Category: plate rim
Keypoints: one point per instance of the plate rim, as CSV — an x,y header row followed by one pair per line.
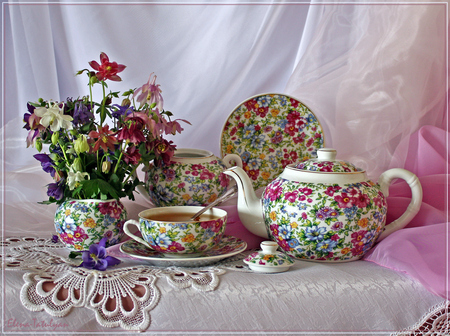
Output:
x,y
222,155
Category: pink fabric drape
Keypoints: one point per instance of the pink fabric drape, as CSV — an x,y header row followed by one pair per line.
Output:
x,y
421,249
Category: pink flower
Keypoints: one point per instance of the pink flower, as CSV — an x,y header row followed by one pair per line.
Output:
x,y
150,93
344,201
358,236
175,246
361,201
207,175
223,179
217,225
79,234
107,69
110,208
291,196
306,191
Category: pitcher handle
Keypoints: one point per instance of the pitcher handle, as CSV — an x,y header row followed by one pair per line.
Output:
x,y
232,157
140,188
131,235
414,206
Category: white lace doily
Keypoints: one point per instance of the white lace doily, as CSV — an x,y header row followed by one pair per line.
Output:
x,y
55,284
435,323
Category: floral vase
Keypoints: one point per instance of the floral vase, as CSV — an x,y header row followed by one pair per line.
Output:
x,y
80,223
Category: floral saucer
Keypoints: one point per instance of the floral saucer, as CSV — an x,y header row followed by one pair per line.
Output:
x,y
228,246
268,132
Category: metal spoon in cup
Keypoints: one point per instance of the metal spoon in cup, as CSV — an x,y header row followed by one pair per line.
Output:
x,y
221,199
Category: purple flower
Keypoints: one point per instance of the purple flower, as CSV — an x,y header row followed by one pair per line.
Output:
x,y
46,163
96,257
82,114
122,111
55,239
56,190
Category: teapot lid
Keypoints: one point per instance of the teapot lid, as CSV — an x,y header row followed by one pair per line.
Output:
x,y
326,162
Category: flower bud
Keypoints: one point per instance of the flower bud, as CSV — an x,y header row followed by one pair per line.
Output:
x,y
55,137
93,79
81,144
38,145
106,166
126,102
77,166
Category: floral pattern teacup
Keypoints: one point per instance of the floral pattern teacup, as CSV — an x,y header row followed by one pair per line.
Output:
x,y
170,231
193,177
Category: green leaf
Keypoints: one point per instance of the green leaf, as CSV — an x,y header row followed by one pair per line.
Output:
x,y
74,254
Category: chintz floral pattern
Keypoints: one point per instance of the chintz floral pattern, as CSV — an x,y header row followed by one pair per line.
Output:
x,y
328,222
183,237
263,259
269,132
227,245
186,183
327,166
80,223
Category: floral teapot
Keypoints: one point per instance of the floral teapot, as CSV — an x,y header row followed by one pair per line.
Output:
x,y
193,177
323,209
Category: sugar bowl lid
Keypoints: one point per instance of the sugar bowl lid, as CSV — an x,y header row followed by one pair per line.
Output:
x,y
326,162
269,260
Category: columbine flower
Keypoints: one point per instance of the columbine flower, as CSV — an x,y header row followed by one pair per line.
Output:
x,y
81,144
104,138
107,69
46,163
82,114
150,93
55,190
73,178
96,257
53,116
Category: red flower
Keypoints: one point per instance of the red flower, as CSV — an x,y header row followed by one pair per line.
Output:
x,y
290,129
133,133
132,156
105,138
107,69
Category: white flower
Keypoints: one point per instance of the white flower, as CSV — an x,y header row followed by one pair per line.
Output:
x,y
74,177
53,116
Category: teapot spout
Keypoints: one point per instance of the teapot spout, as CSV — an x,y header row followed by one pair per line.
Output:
x,y
249,205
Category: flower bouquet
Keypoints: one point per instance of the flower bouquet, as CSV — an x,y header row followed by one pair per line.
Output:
x,y
92,149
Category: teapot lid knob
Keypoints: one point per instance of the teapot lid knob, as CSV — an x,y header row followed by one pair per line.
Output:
x,y
326,154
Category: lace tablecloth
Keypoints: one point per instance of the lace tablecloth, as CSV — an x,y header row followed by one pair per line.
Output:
x,y
125,296
119,296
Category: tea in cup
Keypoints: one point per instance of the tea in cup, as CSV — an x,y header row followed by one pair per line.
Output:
x,y
171,231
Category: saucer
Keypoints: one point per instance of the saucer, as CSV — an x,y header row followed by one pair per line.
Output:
x,y
228,246
270,131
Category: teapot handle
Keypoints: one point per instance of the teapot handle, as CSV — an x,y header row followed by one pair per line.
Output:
x,y
232,157
413,208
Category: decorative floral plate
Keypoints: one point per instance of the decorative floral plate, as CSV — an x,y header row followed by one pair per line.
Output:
x,y
268,132
228,246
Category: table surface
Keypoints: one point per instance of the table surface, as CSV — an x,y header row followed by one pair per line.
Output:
x,y
354,298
